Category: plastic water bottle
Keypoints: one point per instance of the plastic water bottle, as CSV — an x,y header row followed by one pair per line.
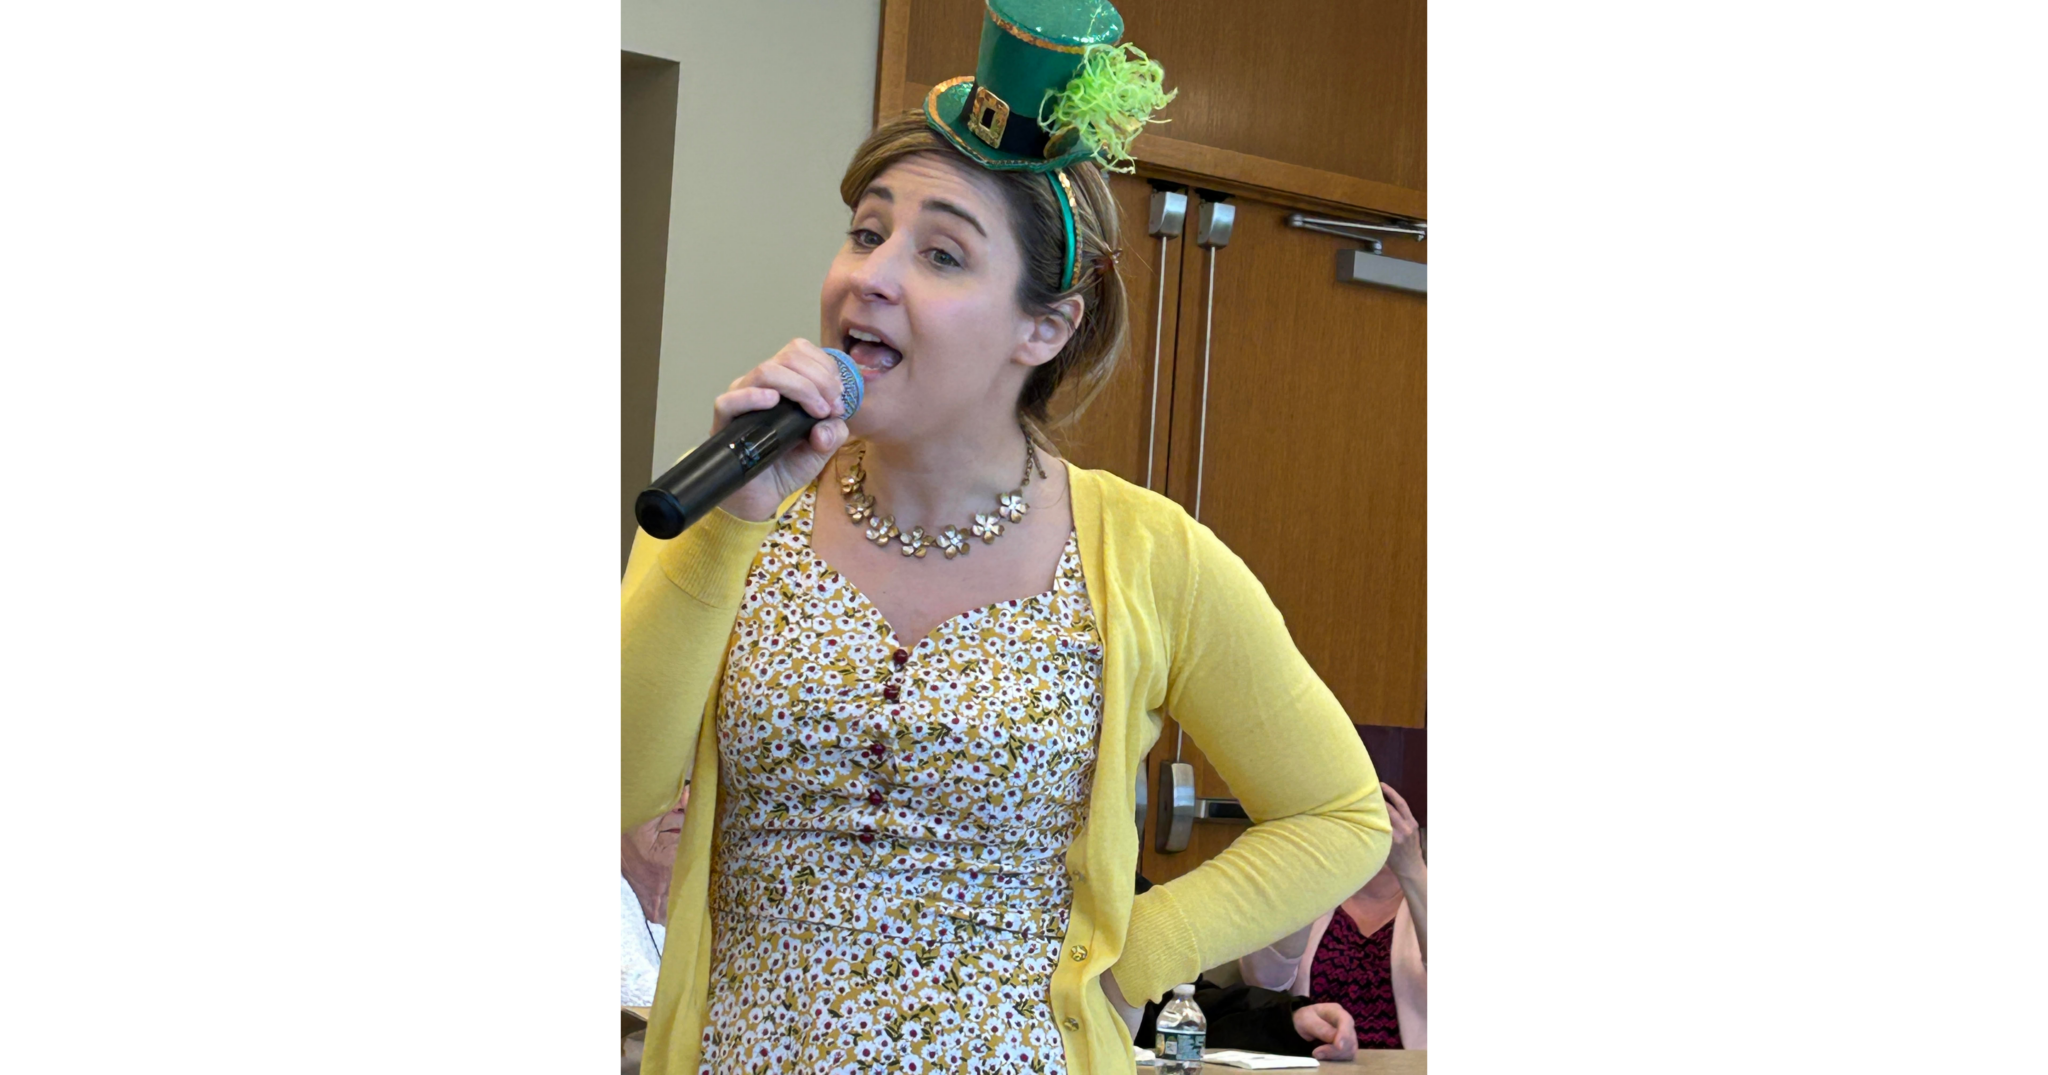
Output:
x,y
1180,1034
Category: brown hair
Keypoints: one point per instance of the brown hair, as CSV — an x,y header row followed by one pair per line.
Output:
x,y
1091,353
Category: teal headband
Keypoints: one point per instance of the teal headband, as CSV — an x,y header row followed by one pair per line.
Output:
x,y
1065,193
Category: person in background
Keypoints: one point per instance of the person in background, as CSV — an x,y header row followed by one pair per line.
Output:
x,y
1249,1017
1371,954
647,854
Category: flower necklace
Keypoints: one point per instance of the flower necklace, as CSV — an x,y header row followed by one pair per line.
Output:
x,y
951,540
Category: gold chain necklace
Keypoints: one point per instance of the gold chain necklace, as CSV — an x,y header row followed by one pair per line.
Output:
x,y
952,540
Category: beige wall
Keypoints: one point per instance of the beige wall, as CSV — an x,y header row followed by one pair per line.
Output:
x,y
774,95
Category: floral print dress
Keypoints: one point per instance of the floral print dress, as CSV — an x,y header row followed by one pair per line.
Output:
x,y
889,887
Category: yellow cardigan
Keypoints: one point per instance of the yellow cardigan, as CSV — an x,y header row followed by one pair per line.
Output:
x,y
1185,629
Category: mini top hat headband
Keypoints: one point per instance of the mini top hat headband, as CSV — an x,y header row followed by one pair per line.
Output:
x,y
1051,88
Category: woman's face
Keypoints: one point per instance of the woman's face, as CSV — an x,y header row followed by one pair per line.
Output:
x,y
655,841
923,296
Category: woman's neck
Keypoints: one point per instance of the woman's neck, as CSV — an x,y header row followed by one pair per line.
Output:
x,y
650,886
928,482
1383,888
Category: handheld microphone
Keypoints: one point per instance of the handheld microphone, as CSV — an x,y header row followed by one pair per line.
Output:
x,y
729,459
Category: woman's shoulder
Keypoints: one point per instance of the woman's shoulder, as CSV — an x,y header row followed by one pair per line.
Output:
x,y
1144,523
1104,493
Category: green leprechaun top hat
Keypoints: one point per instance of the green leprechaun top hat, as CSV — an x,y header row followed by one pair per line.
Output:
x,y
1052,88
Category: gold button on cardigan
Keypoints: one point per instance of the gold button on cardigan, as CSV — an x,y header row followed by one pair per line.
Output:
x,y
1186,629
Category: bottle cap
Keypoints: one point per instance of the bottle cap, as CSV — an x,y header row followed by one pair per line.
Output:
x,y
1184,991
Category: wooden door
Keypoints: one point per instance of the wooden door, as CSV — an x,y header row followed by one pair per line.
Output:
x,y
1322,101
1314,465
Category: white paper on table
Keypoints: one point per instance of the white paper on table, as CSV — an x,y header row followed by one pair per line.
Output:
x,y
1238,1058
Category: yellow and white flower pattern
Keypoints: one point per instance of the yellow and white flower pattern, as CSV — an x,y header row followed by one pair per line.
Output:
x,y
889,886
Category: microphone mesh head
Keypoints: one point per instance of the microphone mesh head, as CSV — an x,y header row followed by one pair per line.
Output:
x,y
851,387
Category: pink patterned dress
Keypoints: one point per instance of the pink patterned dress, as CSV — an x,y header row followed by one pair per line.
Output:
x,y
1357,971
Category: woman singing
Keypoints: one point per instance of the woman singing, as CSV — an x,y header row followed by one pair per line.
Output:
x,y
913,669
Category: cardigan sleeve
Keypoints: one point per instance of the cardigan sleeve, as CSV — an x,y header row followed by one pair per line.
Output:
x,y
1277,965
1287,749
677,607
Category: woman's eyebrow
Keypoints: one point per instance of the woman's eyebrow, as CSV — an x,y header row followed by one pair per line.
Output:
x,y
880,194
938,204
944,206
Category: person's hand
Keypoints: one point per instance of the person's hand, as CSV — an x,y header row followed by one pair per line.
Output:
x,y
1329,1024
1405,858
803,372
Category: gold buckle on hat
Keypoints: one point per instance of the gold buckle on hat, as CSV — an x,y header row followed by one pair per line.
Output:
x,y
988,117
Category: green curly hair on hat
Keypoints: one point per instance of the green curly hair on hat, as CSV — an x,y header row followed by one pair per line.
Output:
x,y
1108,103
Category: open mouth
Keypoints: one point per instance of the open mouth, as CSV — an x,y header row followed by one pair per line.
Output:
x,y
870,352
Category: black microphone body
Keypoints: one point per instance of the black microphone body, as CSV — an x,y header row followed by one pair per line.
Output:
x,y
730,459
719,467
